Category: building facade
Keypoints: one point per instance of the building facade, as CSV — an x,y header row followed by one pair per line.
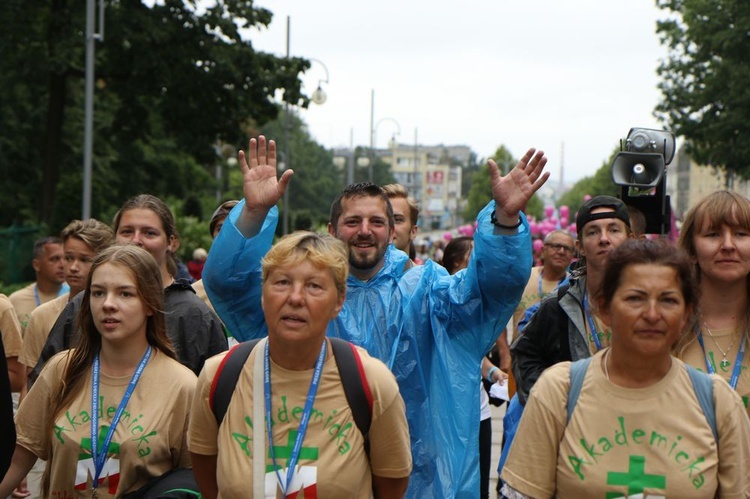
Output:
x,y
433,175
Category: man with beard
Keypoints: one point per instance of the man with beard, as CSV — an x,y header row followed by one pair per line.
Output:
x,y
430,328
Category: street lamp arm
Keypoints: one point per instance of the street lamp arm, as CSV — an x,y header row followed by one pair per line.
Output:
x,y
324,67
398,127
319,96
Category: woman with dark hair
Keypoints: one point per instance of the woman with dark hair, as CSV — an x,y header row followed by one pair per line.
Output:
x,y
716,237
99,414
457,253
633,421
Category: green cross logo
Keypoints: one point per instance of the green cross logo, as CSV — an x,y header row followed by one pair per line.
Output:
x,y
636,478
85,449
285,452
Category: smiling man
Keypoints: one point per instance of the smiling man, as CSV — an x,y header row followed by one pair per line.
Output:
x,y
569,328
430,328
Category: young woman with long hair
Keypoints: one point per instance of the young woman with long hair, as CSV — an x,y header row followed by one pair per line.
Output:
x,y
99,414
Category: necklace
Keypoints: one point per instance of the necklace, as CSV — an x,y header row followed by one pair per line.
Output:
x,y
724,362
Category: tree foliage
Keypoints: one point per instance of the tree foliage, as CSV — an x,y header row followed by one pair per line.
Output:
x,y
315,183
705,91
480,191
171,80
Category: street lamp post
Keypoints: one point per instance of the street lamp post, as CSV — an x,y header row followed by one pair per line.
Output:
x,y
88,127
318,97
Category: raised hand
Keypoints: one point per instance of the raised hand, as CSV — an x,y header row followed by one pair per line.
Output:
x,y
260,185
512,191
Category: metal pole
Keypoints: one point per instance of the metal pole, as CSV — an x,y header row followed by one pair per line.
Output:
x,y
417,192
88,128
287,124
372,133
350,160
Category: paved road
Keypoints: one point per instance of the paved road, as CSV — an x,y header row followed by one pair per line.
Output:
x,y
497,438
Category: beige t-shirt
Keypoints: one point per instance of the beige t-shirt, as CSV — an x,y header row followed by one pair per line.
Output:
x,y
653,441
10,328
332,459
25,300
40,324
149,440
200,292
531,294
694,356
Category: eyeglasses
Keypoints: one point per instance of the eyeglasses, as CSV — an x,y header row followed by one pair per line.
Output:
x,y
558,247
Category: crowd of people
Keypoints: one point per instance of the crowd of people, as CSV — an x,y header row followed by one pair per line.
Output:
x,y
345,365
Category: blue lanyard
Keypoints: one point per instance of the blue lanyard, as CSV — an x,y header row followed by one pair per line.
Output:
x,y
313,390
592,325
736,370
541,293
101,457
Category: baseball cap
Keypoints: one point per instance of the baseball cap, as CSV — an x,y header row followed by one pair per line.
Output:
x,y
584,215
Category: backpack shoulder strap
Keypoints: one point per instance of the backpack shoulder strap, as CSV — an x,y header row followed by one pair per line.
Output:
x,y
704,390
356,387
225,380
562,318
577,373
351,371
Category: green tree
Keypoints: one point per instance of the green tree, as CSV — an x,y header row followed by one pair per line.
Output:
x,y
171,81
598,184
480,191
705,95
315,183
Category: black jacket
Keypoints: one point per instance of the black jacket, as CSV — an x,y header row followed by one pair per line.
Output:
x,y
555,333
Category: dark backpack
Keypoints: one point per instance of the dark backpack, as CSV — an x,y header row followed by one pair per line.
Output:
x,y
351,371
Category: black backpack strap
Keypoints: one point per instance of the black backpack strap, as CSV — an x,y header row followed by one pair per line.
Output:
x,y
225,380
564,333
355,384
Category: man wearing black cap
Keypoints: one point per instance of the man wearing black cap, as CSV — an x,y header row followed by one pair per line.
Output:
x,y
566,326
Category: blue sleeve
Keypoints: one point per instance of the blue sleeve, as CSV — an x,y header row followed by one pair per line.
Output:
x,y
483,297
232,275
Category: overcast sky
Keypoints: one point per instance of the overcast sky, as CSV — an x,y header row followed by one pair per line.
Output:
x,y
481,73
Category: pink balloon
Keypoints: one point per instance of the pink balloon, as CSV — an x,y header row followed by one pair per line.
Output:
x,y
563,221
538,244
586,197
447,236
469,230
564,211
548,211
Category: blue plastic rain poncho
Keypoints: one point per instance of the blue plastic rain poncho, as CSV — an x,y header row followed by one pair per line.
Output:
x,y
430,328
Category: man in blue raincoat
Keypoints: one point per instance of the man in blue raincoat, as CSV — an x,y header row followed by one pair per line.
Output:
x,y
430,328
